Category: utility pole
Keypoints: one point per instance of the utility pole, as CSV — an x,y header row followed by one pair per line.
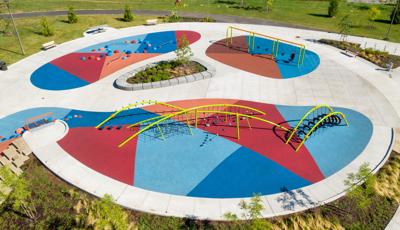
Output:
x,y
392,20
7,3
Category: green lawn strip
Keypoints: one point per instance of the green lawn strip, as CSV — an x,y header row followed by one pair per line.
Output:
x,y
30,32
311,14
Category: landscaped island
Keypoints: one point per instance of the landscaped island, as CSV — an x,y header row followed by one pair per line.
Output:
x,y
166,70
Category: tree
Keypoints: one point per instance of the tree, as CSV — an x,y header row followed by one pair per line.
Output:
x,y
361,186
72,18
19,196
46,29
252,213
333,8
345,27
373,13
183,52
108,215
268,5
128,17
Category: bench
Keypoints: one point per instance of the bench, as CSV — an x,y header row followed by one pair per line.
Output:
x,y
150,22
351,53
49,45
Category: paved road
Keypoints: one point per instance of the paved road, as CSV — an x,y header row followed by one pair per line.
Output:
x,y
217,17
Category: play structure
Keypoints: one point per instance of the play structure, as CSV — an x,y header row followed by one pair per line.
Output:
x,y
231,115
274,49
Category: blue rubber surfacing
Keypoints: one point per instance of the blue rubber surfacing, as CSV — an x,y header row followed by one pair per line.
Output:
x,y
286,68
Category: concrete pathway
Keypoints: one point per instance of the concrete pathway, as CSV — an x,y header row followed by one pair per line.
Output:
x,y
339,81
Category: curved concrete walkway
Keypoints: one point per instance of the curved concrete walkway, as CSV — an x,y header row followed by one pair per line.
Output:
x,y
339,81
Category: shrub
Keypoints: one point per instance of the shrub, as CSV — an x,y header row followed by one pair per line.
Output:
x,y
395,16
72,18
172,17
373,13
46,29
128,17
333,9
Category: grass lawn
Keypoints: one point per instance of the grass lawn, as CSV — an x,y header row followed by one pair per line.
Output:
x,y
307,13
30,29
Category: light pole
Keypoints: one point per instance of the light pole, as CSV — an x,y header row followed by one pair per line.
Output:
x,y
392,20
7,3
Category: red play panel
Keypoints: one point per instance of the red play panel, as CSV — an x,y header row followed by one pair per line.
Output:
x,y
238,57
99,151
88,70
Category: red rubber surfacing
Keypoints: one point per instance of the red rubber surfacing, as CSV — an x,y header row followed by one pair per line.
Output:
x,y
191,36
238,57
99,151
88,70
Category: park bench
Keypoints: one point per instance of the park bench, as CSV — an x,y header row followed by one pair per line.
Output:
x,y
150,22
49,45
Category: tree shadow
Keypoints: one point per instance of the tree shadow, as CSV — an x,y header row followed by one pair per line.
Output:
x,y
385,21
292,198
319,15
227,2
10,51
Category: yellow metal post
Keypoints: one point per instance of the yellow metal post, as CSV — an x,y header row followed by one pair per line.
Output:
x,y
195,118
237,126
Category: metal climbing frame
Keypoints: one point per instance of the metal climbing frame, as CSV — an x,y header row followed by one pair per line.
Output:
x,y
330,113
144,102
275,42
326,117
318,107
202,110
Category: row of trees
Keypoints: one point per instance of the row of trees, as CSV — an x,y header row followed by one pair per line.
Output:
x,y
72,18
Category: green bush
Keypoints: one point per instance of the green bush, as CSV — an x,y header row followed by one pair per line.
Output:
x,y
72,18
395,16
46,29
173,17
373,13
333,8
128,17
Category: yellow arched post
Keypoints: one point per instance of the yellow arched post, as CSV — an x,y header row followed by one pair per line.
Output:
x,y
305,116
318,123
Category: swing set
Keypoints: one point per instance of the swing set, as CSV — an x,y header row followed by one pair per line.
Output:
x,y
275,43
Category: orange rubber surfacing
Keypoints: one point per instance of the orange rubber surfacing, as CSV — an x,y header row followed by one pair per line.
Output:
x,y
238,57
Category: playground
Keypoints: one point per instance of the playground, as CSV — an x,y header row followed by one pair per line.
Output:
x,y
281,116
95,62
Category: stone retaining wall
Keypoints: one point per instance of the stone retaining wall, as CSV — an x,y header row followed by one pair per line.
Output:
x,y
121,82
